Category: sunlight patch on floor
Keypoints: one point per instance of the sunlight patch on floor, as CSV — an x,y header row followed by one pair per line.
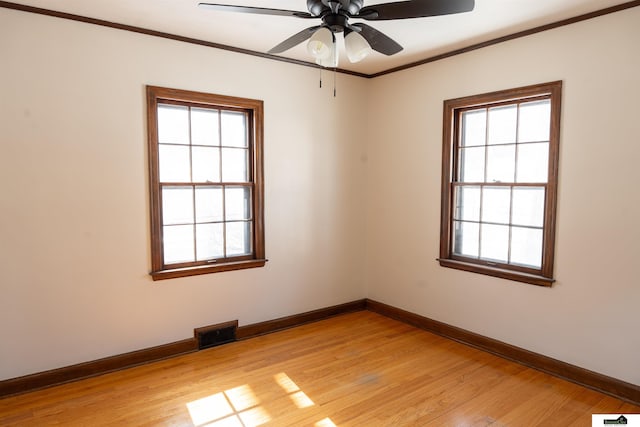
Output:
x,y
236,407
325,423
299,398
240,407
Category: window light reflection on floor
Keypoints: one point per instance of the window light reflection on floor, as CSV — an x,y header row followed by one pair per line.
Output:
x,y
237,406
299,398
240,407
325,423
209,408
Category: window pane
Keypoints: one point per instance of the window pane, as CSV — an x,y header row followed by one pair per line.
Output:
x,y
238,238
494,244
501,160
178,243
472,164
234,129
209,204
526,247
466,238
204,127
474,127
173,124
467,203
502,124
209,241
174,163
206,164
177,205
528,206
234,165
237,202
534,123
496,204
533,161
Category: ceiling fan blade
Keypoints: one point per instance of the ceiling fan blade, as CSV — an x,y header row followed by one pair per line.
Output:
x,y
377,40
257,10
414,9
294,40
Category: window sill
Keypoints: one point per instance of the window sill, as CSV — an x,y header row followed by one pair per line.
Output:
x,y
206,269
517,276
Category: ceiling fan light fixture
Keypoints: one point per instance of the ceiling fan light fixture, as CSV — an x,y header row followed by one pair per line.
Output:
x,y
356,46
321,44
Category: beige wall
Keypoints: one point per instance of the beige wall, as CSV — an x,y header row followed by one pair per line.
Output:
x,y
74,222
74,252
590,316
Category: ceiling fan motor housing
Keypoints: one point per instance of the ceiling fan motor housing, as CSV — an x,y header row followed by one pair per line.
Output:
x,y
320,7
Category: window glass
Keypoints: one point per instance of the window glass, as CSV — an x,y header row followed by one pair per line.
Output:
x,y
205,126
466,239
173,124
237,203
533,162
177,205
238,238
526,246
174,163
474,127
533,123
178,243
496,204
209,204
494,242
472,163
234,129
206,164
210,241
500,163
234,165
502,124
528,206
468,203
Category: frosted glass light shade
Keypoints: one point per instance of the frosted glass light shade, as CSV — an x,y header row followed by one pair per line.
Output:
x,y
320,43
331,61
356,46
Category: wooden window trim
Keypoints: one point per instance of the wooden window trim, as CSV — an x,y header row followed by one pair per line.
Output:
x,y
544,276
156,95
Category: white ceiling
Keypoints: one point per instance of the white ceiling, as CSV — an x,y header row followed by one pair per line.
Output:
x,y
421,38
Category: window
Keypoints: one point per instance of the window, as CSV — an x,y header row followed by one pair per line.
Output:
x,y
205,174
499,180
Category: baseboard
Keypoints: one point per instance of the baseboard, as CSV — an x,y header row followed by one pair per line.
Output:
x,y
249,331
584,377
94,368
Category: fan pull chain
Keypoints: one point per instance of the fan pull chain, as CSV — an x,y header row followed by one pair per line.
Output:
x,y
334,82
320,77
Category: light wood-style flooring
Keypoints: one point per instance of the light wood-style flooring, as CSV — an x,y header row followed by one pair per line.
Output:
x,y
358,369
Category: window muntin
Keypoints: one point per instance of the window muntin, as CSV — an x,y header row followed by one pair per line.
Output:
x,y
499,183
205,154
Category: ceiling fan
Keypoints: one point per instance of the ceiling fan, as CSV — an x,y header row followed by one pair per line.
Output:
x,y
360,38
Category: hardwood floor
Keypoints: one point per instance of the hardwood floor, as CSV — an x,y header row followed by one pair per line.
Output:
x,y
357,369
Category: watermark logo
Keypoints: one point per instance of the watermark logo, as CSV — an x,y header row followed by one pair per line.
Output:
x,y
620,420
615,420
